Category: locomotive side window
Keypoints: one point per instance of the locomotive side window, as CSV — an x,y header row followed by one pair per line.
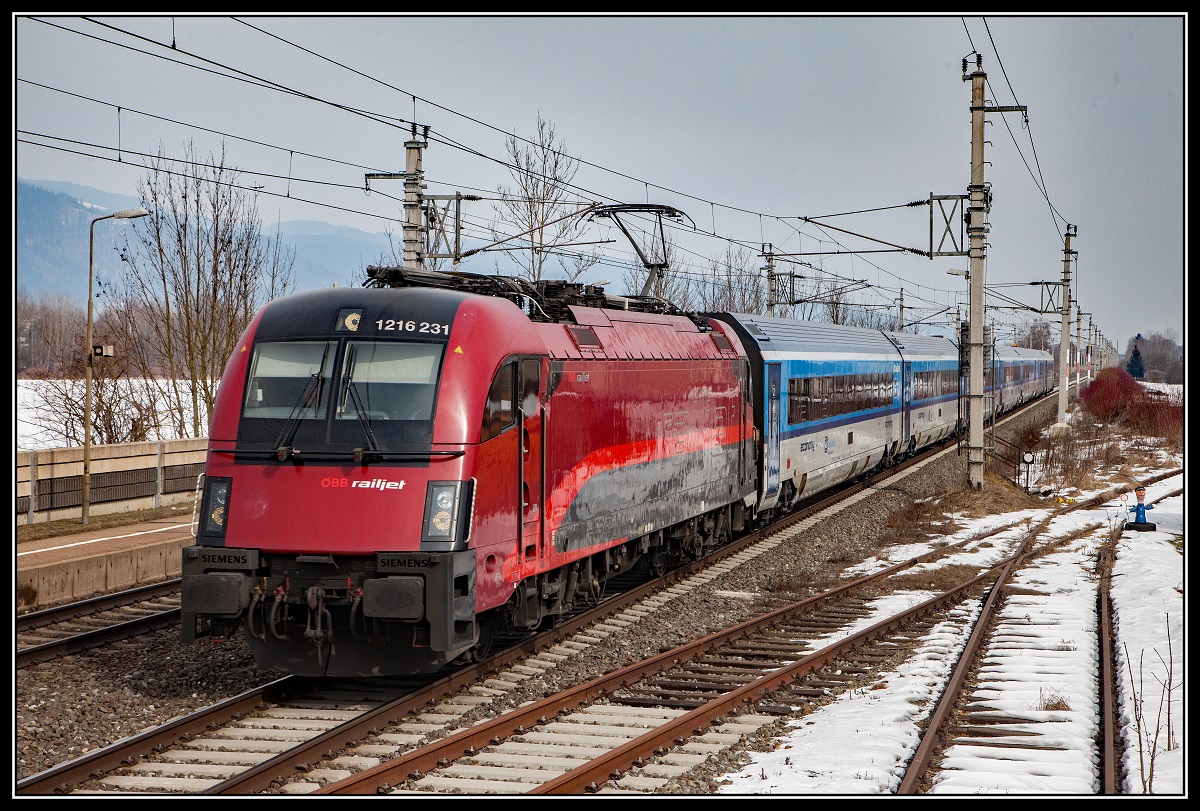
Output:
x,y
498,412
289,380
531,371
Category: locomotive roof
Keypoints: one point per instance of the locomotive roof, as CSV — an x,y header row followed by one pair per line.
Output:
x,y
314,313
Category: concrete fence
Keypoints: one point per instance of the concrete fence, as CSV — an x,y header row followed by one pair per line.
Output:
x,y
124,477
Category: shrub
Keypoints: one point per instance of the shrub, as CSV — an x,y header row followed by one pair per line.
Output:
x,y
1111,396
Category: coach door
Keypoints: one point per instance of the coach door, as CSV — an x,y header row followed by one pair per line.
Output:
x,y
771,417
532,464
906,377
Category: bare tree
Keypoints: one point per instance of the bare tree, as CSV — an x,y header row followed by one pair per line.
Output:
x,y
540,210
197,270
732,283
675,286
47,328
1035,335
872,317
813,297
123,409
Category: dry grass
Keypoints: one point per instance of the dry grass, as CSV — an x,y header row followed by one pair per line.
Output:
x,y
54,529
1051,701
943,578
918,521
999,495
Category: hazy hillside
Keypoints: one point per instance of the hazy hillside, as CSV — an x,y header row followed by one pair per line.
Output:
x,y
53,227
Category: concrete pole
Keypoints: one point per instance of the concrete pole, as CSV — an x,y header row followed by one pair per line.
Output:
x,y
414,238
980,202
977,228
1079,349
1089,350
1064,344
770,281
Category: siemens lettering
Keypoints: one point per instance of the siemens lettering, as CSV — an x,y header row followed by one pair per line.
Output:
x,y
232,559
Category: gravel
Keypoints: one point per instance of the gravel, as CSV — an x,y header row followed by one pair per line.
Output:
x,y
69,707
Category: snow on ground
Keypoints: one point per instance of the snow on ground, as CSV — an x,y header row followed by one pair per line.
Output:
x,y
861,743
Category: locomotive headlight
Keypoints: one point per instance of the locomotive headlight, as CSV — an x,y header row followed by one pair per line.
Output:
x,y
445,504
440,513
214,506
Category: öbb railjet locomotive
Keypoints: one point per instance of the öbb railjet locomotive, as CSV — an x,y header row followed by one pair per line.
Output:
x,y
399,472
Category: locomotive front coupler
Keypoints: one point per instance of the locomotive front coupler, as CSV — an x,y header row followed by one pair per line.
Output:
x,y
319,625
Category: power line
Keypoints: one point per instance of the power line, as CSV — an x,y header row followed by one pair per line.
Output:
x,y
226,71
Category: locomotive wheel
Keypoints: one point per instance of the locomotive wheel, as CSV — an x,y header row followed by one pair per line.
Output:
x,y
657,564
483,648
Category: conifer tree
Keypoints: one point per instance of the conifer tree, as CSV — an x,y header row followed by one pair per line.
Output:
x,y
1135,367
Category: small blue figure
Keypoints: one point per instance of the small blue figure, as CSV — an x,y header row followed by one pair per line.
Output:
x,y
1141,507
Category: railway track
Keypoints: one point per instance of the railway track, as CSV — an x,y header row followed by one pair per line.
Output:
x,y
981,711
635,730
335,748
77,627
350,735
72,774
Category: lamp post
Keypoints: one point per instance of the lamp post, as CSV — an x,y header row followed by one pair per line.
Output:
x,y
127,214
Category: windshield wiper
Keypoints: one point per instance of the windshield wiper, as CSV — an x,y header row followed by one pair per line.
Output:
x,y
348,387
310,396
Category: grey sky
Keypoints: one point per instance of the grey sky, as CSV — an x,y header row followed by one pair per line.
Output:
x,y
743,122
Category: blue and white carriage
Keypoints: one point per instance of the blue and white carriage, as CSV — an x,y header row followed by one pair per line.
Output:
x,y
836,401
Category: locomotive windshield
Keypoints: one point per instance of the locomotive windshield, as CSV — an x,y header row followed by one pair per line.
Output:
x,y
330,395
289,380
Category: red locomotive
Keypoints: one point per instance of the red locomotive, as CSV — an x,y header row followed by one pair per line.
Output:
x,y
398,473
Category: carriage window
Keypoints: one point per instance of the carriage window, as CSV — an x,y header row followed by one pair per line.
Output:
x,y
796,400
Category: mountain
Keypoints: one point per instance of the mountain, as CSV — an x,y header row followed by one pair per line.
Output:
x,y
103,202
327,253
53,231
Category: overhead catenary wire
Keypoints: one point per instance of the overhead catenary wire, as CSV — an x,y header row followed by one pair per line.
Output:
x,y
229,72
378,118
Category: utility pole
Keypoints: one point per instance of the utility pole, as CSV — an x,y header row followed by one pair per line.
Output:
x,y
901,327
1064,345
414,237
1089,349
1079,348
425,232
977,208
770,280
